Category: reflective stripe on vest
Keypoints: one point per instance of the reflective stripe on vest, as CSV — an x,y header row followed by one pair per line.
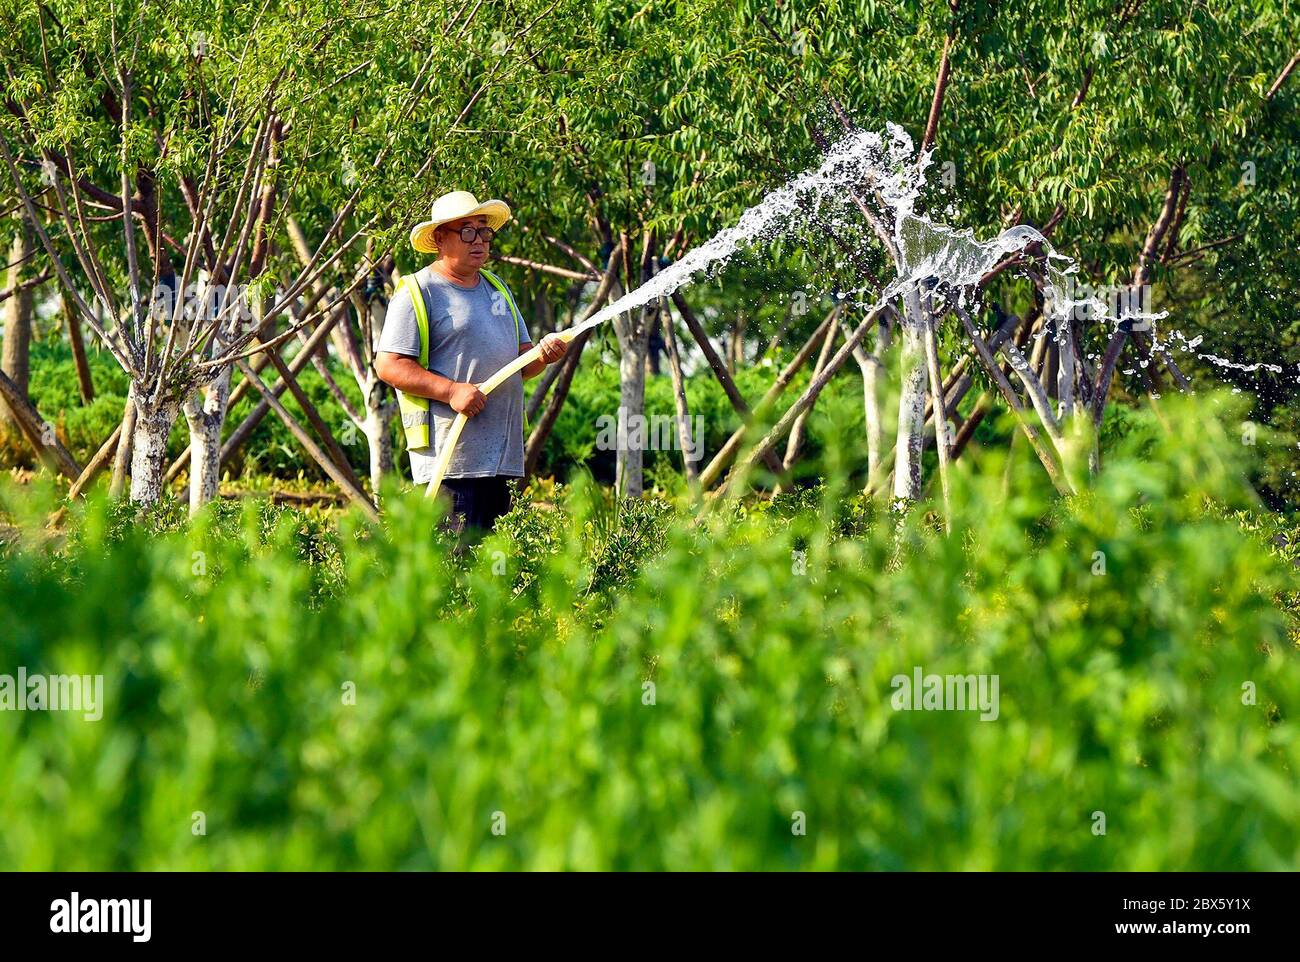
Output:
x,y
415,410
514,311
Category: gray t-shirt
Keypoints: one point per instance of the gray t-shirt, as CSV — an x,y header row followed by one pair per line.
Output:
x,y
471,337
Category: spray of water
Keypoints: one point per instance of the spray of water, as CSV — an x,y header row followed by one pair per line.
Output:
x,y
857,157
889,167
926,251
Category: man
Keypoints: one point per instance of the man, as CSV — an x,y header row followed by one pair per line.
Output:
x,y
473,328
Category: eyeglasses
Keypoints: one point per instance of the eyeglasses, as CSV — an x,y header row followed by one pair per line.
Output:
x,y
469,232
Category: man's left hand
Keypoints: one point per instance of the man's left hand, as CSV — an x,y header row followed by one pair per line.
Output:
x,y
553,348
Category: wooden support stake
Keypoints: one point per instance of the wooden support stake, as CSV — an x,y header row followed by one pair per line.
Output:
x,y
1046,455
355,493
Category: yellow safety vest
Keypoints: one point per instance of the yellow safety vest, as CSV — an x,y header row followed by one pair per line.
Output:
x,y
415,410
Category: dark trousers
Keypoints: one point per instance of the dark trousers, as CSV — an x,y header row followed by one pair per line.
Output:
x,y
476,503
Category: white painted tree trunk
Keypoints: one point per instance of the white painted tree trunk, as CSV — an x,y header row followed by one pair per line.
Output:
x,y
205,419
205,413
633,343
205,459
794,442
911,402
871,406
379,436
870,366
18,313
149,449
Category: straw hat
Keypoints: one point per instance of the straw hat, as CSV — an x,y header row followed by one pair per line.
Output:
x,y
454,206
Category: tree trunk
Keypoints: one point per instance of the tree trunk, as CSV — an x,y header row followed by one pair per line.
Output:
x,y
205,455
911,402
690,464
1066,368
941,439
85,382
205,412
153,423
736,344
633,330
379,436
205,418
14,360
125,442
633,342
871,406
794,443
380,439
956,388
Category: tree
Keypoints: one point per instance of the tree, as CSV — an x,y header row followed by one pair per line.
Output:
x,y
18,306
196,142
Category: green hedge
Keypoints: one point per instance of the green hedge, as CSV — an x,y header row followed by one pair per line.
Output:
x,y
515,682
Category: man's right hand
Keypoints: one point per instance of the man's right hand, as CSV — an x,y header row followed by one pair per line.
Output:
x,y
466,399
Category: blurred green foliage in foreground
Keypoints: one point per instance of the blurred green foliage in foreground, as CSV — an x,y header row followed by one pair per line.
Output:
x,y
509,690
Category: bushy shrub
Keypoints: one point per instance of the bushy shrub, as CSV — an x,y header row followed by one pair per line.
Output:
x,y
53,388
656,689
